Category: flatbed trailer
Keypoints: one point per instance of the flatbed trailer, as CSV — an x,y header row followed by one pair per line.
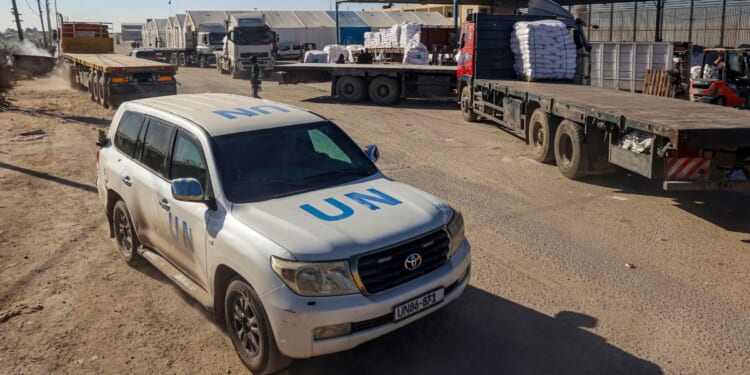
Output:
x,y
588,130
90,62
384,84
187,56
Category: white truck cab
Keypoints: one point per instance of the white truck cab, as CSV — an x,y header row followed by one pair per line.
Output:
x,y
273,218
248,35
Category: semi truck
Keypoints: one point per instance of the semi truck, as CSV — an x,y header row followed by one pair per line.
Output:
x,y
200,47
248,35
585,130
89,62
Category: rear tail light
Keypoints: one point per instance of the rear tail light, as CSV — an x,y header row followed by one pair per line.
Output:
x,y
118,70
165,79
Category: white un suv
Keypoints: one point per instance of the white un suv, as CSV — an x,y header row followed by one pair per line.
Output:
x,y
273,218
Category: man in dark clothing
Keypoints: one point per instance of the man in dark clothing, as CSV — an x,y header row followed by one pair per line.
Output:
x,y
256,76
365,57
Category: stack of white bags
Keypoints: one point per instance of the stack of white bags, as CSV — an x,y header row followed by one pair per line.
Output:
x,y
315,57
354,49
543,50
410,31
397,36
334,51
372,40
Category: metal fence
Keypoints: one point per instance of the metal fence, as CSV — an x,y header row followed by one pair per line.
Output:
x,y
637,22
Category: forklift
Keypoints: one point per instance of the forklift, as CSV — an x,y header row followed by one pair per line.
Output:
x,y
724,78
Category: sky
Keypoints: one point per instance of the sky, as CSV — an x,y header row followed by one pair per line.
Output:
x,y
117,11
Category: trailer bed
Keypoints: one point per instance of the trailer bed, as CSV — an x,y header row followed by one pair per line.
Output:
x,y
426,69
667,117
105,62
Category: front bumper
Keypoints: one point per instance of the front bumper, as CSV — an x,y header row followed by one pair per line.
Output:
x,y
246,65
293,318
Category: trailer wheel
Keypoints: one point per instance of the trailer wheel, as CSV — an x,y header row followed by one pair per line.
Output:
x,y
92,88
202,62
350,89
183,62
100,91
173,59
466,110
541,137
570,152
384,91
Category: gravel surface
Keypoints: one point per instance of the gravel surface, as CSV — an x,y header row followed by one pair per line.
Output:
x,y
550,291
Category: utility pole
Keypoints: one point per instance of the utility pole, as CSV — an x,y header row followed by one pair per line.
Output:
x,y
49,24
41,20
18,20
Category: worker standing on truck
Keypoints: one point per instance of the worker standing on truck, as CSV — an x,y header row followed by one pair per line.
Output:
x,y
256,76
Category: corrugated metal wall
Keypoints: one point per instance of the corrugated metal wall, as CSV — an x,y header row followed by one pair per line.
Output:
x,y
707,16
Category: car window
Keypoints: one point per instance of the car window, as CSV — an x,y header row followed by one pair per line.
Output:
x,y
156,146
187,159
127,133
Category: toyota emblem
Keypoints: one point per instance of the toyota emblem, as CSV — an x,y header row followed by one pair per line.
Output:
x,y
412,262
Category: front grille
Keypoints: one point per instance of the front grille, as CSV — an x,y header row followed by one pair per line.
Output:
x,y
385,269
248,55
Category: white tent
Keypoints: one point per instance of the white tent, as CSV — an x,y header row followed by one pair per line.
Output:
x,y
170,34
319,28
160,32
287,26
433,19
401,17
179,33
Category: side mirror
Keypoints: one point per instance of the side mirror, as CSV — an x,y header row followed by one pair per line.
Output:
x,y
372,152
187,190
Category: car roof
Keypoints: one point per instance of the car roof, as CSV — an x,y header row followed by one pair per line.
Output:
x,y
222,114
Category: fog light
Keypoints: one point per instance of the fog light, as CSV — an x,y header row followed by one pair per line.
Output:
x,y
335,330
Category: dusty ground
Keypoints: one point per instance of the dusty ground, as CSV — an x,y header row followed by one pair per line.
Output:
x,y
550,292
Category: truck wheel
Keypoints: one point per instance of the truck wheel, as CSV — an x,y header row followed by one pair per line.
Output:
x,y
384,91
127,240
183,62
570,152
100,90
92,93
202,62
173,59
250,330
351,89
466,110
541,137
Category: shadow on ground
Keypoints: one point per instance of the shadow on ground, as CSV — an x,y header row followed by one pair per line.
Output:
x,y
729,210
484,334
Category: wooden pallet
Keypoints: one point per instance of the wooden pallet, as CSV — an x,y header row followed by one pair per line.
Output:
x,y
657,83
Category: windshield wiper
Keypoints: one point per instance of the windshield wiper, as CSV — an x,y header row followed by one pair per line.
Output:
x,y
341,172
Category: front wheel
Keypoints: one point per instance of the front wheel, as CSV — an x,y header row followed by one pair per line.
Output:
x,y
541,136
467,112
250,330
570,152
127,240
384,91
351,89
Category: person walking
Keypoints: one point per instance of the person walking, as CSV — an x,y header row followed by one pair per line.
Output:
x,y
256,76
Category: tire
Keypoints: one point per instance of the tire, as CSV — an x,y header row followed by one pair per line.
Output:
x,y
351,89
467,112
384,91
202,62
125,235
92,89
173,59
100,90
244,313
570,152
541,137
183,62
721,101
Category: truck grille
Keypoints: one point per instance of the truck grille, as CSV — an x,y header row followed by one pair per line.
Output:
x,y
386,269
260,55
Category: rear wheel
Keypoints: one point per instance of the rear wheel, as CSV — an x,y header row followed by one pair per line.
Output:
x,y
127,240
100,90
466,109
250,330
350,89
570,152
384,91
92,88
183,62
202,62
541,137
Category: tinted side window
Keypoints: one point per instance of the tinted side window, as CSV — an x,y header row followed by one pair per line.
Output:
x,y
127,133
156,146
187,160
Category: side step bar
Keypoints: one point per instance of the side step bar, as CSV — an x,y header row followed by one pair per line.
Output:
x,y
184,282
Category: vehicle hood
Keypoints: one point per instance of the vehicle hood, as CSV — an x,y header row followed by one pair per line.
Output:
x,y
345,220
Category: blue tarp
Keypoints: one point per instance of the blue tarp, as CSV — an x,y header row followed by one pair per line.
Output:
x,y
352,28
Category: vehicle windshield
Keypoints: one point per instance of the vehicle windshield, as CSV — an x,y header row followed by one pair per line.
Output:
x,y
146,54
252,36
216,38
265,164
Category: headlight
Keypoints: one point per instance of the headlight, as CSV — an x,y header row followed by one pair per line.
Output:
x,y
315,279
456,231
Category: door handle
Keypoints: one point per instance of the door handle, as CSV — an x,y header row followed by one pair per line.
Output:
x,y
127,181
164,203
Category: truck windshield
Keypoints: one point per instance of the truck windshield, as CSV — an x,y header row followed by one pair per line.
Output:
x,y
252,36
265,164
216,38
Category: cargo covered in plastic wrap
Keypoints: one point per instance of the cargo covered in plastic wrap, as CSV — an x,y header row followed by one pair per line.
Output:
x,y
315,57
335,51
543,50
416,54
409,32
353,50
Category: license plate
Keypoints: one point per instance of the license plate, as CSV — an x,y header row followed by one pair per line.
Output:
x,y
418,304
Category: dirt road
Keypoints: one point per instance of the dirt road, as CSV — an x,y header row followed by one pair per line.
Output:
x,y
550,291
